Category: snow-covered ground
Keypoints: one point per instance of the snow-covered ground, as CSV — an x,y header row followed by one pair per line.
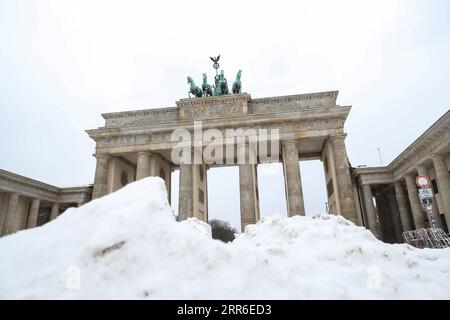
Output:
x,y
128,245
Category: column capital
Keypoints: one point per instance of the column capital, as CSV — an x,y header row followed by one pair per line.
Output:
x,y
336,136
397,183
147,153
438,157
102,156
411,175
288,141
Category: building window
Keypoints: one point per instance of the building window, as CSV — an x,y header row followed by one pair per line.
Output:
x,y
435,187
325,162
124,178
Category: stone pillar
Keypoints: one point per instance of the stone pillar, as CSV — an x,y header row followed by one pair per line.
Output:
x,y
248,187
395,214
402,206
292,179
443,182
33,214
55,211
10,218
416,207
343,178
143,165
101,177
371,214
185,203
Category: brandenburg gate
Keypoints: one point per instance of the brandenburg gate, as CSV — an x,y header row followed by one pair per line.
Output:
x,y
136,144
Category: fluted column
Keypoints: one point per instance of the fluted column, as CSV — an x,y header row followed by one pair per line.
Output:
x,y
347,205
55,211
402,206
443,183
10,219
101,177
292,179
33,214
371,214
414,201
248,186
185,203
143,165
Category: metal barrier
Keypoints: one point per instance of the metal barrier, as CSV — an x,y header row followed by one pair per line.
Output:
x,y
427,238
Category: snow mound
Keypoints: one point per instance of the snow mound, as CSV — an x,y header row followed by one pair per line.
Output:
x,y
127,245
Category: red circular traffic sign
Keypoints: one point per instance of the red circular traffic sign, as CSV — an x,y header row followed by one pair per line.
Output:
x,y
423,182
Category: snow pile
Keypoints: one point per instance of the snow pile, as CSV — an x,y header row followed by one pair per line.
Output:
x,y
127,245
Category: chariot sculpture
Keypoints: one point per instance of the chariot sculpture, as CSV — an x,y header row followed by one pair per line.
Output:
x,y
220,86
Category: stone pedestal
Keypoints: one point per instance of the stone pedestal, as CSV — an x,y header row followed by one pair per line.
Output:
x,y
248,187
101,177
347,205
292,179
416,207
33,214
371,215
402,206
10,219
443,182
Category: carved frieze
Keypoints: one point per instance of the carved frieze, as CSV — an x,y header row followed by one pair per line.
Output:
x,y
210,107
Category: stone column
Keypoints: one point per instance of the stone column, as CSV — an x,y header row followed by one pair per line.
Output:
x,y
10,218
292,179
101,177
402,206
416,207
55,211
371,214
395,214
443,182
33,214
185,203
343,178
143,165
248,187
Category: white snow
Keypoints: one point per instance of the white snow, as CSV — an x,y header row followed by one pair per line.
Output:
x,y
128,245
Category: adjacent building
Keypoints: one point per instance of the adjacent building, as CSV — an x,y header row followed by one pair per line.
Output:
x,y
26,203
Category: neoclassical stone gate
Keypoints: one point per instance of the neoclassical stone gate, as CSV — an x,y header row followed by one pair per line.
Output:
x,y
137,144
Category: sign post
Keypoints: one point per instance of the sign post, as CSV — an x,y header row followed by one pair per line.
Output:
x,y
426,199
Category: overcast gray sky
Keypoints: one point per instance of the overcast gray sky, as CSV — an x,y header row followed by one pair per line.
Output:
x,y
62,63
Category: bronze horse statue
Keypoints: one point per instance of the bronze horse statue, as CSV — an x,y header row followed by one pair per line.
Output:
x,y
194,89
237,84
207,89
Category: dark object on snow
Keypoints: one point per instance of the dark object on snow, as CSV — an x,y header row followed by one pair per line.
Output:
x,y
222,230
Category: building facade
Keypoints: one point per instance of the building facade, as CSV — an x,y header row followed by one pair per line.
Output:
x,y
389,199
136,144
26,203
